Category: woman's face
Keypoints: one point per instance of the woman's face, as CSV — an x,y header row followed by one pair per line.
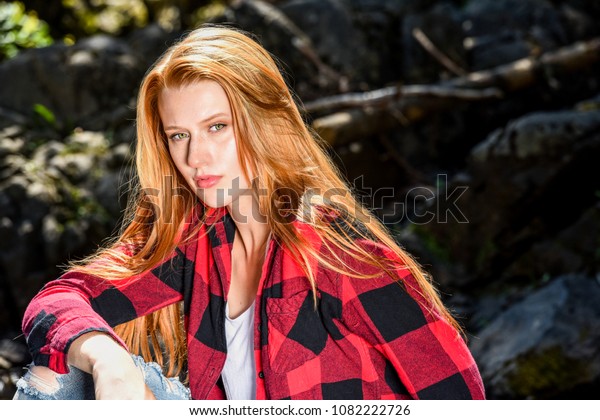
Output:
x,y
198,124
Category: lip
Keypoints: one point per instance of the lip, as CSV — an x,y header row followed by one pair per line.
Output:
x,y
207,181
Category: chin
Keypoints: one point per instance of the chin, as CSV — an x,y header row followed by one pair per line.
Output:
x,y
213,202
214,198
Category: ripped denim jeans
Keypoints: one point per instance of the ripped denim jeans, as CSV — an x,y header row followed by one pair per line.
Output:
x,y
78,385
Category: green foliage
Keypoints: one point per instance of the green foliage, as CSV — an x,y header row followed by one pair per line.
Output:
x,y
183,14
432,243
208,12
70,20
81,204
20,29
107,16
45,114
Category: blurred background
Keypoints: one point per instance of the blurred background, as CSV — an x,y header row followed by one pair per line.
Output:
x,y
471,127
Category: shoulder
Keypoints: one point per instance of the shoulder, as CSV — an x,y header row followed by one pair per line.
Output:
x,y
364,262
323,222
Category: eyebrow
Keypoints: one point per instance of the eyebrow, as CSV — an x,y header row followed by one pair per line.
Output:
x,y
210,117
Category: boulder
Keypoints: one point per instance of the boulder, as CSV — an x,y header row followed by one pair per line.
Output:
x,y
498,32
13,356
329,25
514,180
575,249
57,203
545,346
91,84
71,84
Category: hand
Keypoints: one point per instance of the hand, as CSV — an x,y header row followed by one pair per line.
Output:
x,y
115,374
116,377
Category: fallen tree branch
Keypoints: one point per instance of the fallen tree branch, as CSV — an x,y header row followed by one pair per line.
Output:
x,y
382,109
302,42
436,53
388,95
527,71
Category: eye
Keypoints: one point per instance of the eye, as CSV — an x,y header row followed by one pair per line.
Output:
x,y
179,136
217,127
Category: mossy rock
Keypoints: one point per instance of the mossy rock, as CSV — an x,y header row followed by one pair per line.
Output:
x,y
546,373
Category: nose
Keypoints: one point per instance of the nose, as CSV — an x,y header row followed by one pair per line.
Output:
x,y
199,153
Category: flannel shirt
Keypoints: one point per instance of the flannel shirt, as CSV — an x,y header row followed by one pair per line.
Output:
x,y
366,339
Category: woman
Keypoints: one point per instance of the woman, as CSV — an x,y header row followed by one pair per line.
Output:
x,y
290,288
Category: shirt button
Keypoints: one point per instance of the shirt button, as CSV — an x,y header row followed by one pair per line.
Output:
x,y
261,375
259,327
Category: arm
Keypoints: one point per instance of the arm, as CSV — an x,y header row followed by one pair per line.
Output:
x,y
430,357
114,373
78,303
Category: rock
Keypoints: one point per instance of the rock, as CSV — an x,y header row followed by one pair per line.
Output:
x,y
589,104
274,34
10,146
575,249
51,208
14,351
74,167
120,155
9,166
150,42
546,345
433,257
13,356
516,175
71,83
51,233
87,142
580,17
80,154
537,135
488,306
329,25
501,32
284,30
396,7
379,23
108,192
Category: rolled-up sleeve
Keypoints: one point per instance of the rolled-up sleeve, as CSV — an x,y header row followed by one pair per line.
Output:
x,y
78,303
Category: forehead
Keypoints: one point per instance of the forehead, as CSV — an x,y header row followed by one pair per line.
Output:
x,y
198,99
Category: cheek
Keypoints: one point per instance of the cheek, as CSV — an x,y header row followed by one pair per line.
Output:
x,y
229,155
176,157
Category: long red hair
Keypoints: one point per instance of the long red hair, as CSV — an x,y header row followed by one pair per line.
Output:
x,y
272,138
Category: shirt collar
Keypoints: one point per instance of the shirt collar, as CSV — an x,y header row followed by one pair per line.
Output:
x,y
215,215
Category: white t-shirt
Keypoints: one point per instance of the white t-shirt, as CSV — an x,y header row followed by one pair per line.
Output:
x,y
239,372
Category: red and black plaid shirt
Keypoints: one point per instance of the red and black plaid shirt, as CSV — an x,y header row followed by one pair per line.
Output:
x,y
367,338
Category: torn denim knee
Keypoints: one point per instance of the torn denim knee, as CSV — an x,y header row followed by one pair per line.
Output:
x,y
41,383
162,387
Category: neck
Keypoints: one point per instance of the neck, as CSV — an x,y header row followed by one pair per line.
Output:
x,y
251,225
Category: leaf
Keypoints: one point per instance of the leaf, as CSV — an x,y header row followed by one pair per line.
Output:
x,y
45,113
